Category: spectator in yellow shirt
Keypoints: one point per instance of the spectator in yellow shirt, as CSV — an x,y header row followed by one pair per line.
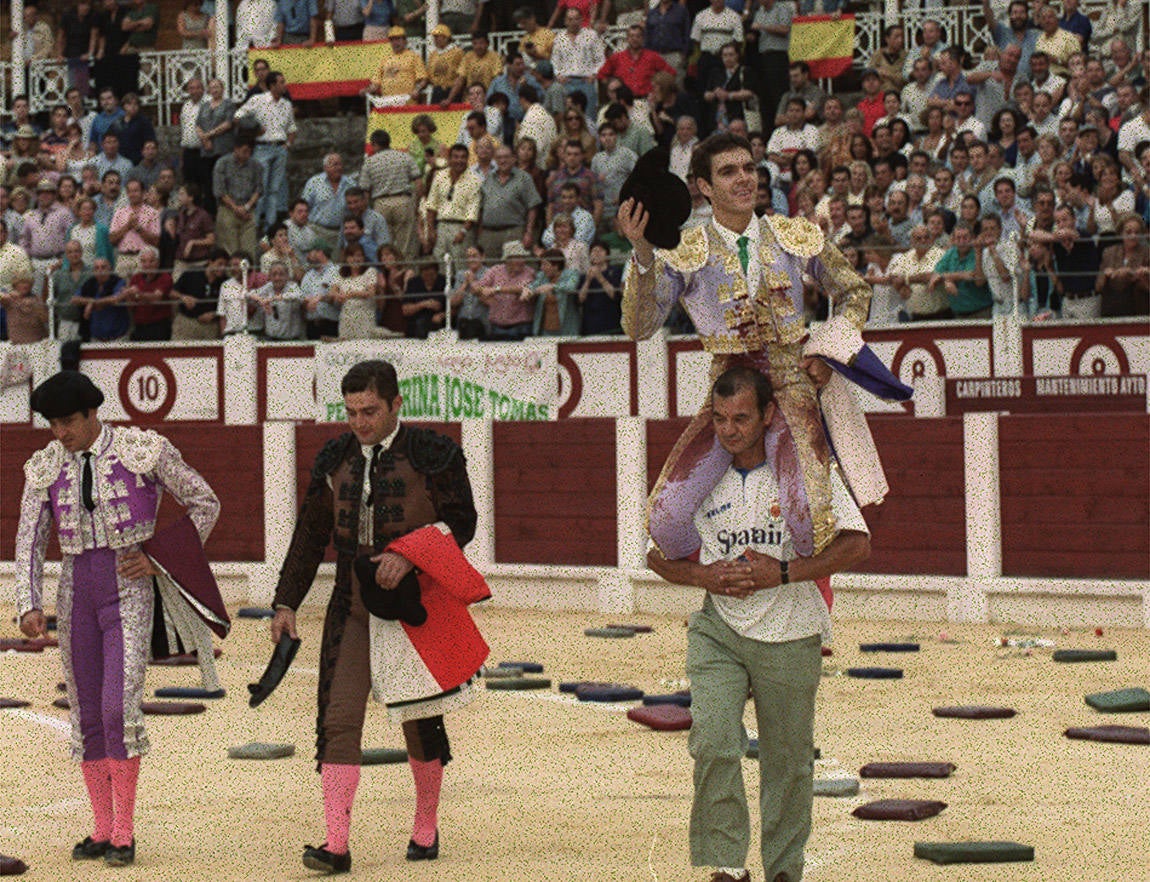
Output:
x,y
1054,41
479,65
401,76
537,40
442,63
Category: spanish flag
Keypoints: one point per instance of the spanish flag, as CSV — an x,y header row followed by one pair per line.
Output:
x,y
824,42
327,70
396,121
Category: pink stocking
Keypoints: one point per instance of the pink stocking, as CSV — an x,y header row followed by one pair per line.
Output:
x,y
125,774
96,777
339,782
428,780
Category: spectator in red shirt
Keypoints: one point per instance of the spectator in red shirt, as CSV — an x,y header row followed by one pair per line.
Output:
x,y
634,65
149,294
871,103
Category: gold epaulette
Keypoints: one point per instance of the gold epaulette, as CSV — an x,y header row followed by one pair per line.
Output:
x,y
797,235
691,253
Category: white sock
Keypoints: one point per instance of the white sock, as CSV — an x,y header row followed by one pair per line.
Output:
x,y
733,872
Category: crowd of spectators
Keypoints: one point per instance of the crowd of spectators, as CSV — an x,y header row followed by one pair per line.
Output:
x,y
1016,180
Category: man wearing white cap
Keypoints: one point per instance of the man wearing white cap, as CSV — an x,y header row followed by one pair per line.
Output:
x,y
509,312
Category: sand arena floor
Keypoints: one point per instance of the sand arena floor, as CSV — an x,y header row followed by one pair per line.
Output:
x,y
543,788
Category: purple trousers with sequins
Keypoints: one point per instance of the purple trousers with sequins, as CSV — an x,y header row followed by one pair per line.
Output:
x,y
104,666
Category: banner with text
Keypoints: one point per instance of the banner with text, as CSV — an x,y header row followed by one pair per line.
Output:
x,y
449,382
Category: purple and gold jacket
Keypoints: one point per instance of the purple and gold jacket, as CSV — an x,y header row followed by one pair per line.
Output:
x,y
703,272
130,469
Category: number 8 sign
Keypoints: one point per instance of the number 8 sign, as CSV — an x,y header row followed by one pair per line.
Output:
x,y
147,389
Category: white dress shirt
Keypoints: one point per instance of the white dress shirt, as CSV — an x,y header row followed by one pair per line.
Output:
x,y
578,57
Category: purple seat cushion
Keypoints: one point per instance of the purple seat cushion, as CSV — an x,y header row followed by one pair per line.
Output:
x,y
899,809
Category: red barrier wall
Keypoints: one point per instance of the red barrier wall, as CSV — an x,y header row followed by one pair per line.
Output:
x,y
1074,496
921,525
229,457
310,438
555,492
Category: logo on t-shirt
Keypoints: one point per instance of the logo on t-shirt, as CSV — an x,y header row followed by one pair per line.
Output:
x,y
743,539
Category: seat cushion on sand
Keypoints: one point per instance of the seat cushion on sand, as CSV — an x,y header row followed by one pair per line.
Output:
x,y
608,632
607,692
569,686
661,717
10,866
836,786
975,712
638,629
899,809
20,644
189,692
256,612
502,673
518,684
383,756
187,658
973,852
527,667
13,702
172,708
875,673
907,770
1120,701
682,699
1085,655
61,703
1113,734
888,647
261,750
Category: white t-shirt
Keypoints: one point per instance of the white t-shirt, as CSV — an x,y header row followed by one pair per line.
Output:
x,y
743,511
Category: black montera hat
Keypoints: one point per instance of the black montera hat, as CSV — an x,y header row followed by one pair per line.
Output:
x,y
664,196
402,603
64,394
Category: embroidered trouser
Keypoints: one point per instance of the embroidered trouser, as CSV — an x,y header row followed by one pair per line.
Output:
x,y
104,628
797,450
783,679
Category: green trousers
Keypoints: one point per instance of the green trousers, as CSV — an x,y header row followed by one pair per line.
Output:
x,y
783,678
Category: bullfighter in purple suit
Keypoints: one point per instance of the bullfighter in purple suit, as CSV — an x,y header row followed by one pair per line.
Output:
x,y
102,486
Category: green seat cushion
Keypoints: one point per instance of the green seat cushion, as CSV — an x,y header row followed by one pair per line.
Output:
x,y
261,750
1120,701
380,756
1085,655
973,852
836,786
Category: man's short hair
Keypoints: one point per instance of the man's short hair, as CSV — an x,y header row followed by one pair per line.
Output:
x,y
376,375
615,111
529,93
477,116
736,379
711,147
355,191
801,65
380,139
799,101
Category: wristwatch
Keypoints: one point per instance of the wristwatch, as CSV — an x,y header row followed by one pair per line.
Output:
x,y
784,572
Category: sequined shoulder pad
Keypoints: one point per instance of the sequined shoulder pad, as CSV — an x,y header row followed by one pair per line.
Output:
x,y
43,467
797,235
138,449
429,451
331,455
691,253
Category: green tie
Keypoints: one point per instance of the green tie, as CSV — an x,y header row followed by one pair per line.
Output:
x,y
744,254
